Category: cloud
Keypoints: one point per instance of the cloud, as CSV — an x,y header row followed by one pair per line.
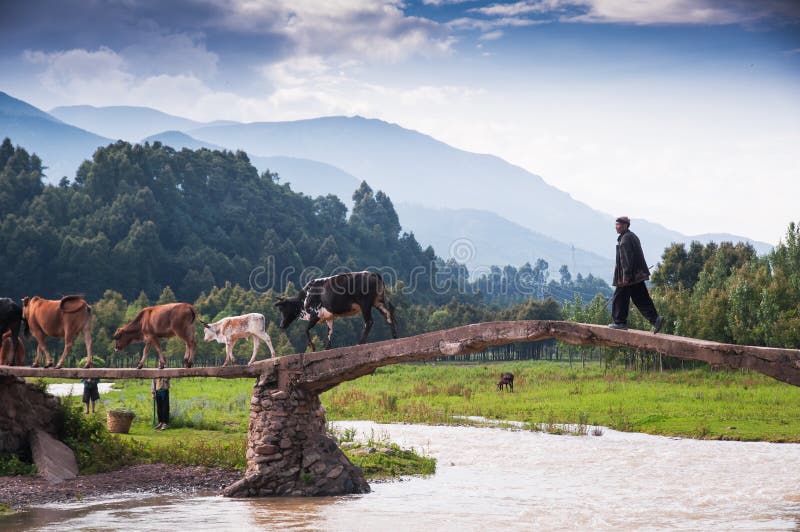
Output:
x,y
365,28
311,86
524,7
492,35
646,12
483,25
72,71
104,77
177,54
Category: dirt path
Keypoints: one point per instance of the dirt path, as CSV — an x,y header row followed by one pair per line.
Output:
x,y
21,491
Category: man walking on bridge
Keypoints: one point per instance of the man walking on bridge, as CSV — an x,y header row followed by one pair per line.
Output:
x,y
630,274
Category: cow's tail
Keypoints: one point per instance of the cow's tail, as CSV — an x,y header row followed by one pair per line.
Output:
x,y
392,314
23,318
196,316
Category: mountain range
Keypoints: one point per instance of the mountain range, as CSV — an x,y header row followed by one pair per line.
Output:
x,y
444,195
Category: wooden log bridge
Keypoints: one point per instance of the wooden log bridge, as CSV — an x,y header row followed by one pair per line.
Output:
x,y
289,452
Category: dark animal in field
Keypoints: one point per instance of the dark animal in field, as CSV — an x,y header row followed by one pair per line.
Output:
x,y
8,355
228,330
11,321
63,318
507,380
157,322
346,294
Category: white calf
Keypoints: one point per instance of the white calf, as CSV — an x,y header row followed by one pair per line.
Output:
x,y
228,330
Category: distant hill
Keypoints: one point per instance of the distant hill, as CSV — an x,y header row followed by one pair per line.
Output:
x,y
417,169
124,122
481,239
411,167
61,147
312,178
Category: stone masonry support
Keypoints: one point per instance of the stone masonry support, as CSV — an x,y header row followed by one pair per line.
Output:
x,y
288,450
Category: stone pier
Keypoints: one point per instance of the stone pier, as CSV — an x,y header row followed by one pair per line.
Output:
x,y
289,452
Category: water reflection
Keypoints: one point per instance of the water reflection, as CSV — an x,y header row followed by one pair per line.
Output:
x,y
499,479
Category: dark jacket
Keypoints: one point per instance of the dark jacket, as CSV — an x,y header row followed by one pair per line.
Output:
x,y
631,267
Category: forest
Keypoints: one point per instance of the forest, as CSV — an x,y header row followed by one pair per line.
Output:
x,y
146,224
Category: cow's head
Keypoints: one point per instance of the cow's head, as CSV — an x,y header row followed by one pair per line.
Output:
x,y
123,337
290,308
210,332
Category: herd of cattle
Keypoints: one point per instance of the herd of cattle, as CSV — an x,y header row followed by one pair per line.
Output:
x,y
320,301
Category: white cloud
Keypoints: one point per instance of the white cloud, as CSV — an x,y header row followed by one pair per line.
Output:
x,y
662,12
489,25
176,54
643,12
366,28
520,8
69,73
309,86
492,35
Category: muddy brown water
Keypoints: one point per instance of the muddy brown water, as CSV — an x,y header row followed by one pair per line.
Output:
x,y
496,479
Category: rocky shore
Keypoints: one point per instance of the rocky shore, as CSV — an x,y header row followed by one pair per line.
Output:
x,y
21,491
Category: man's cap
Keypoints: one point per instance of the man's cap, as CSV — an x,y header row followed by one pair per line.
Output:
x,y
624,220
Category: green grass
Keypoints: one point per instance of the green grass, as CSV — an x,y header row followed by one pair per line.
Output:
x,y
697,404
208,426
209,416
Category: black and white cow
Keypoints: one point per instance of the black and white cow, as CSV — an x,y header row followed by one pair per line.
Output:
x,y
346,294
11,320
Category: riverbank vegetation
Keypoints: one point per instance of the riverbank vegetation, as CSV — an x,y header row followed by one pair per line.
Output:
x,y
209,416
208,427
697,403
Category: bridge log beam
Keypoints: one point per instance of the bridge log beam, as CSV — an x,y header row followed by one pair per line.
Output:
x,y
322,370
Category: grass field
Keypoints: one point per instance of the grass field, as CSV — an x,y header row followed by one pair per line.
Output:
x,y
697,403
209,416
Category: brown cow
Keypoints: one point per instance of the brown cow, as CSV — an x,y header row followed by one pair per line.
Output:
x,y
7,355
160,321
507,380
63,318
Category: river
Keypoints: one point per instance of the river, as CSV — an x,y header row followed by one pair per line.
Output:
x,y
497,479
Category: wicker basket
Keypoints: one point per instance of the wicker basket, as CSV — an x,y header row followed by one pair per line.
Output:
x,y
119,422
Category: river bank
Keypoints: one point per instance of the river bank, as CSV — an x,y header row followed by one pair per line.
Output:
x,y
22,491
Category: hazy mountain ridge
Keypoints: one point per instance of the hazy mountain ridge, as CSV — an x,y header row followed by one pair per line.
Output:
x,y
329,155
62,147
481,239
124,122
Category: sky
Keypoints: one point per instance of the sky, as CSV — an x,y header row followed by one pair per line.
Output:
x,y
682,112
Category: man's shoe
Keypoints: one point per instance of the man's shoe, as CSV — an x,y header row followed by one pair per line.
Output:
x,y
164,426
618,326
658,324
157,427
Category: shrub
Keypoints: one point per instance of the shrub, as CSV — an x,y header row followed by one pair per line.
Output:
x,y
95,448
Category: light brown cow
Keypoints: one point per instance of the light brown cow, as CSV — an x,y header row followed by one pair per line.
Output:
x,y
7,355
228,330
63,318
160,321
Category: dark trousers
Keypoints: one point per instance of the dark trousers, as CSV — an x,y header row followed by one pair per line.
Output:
x,y
641,298
162,406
